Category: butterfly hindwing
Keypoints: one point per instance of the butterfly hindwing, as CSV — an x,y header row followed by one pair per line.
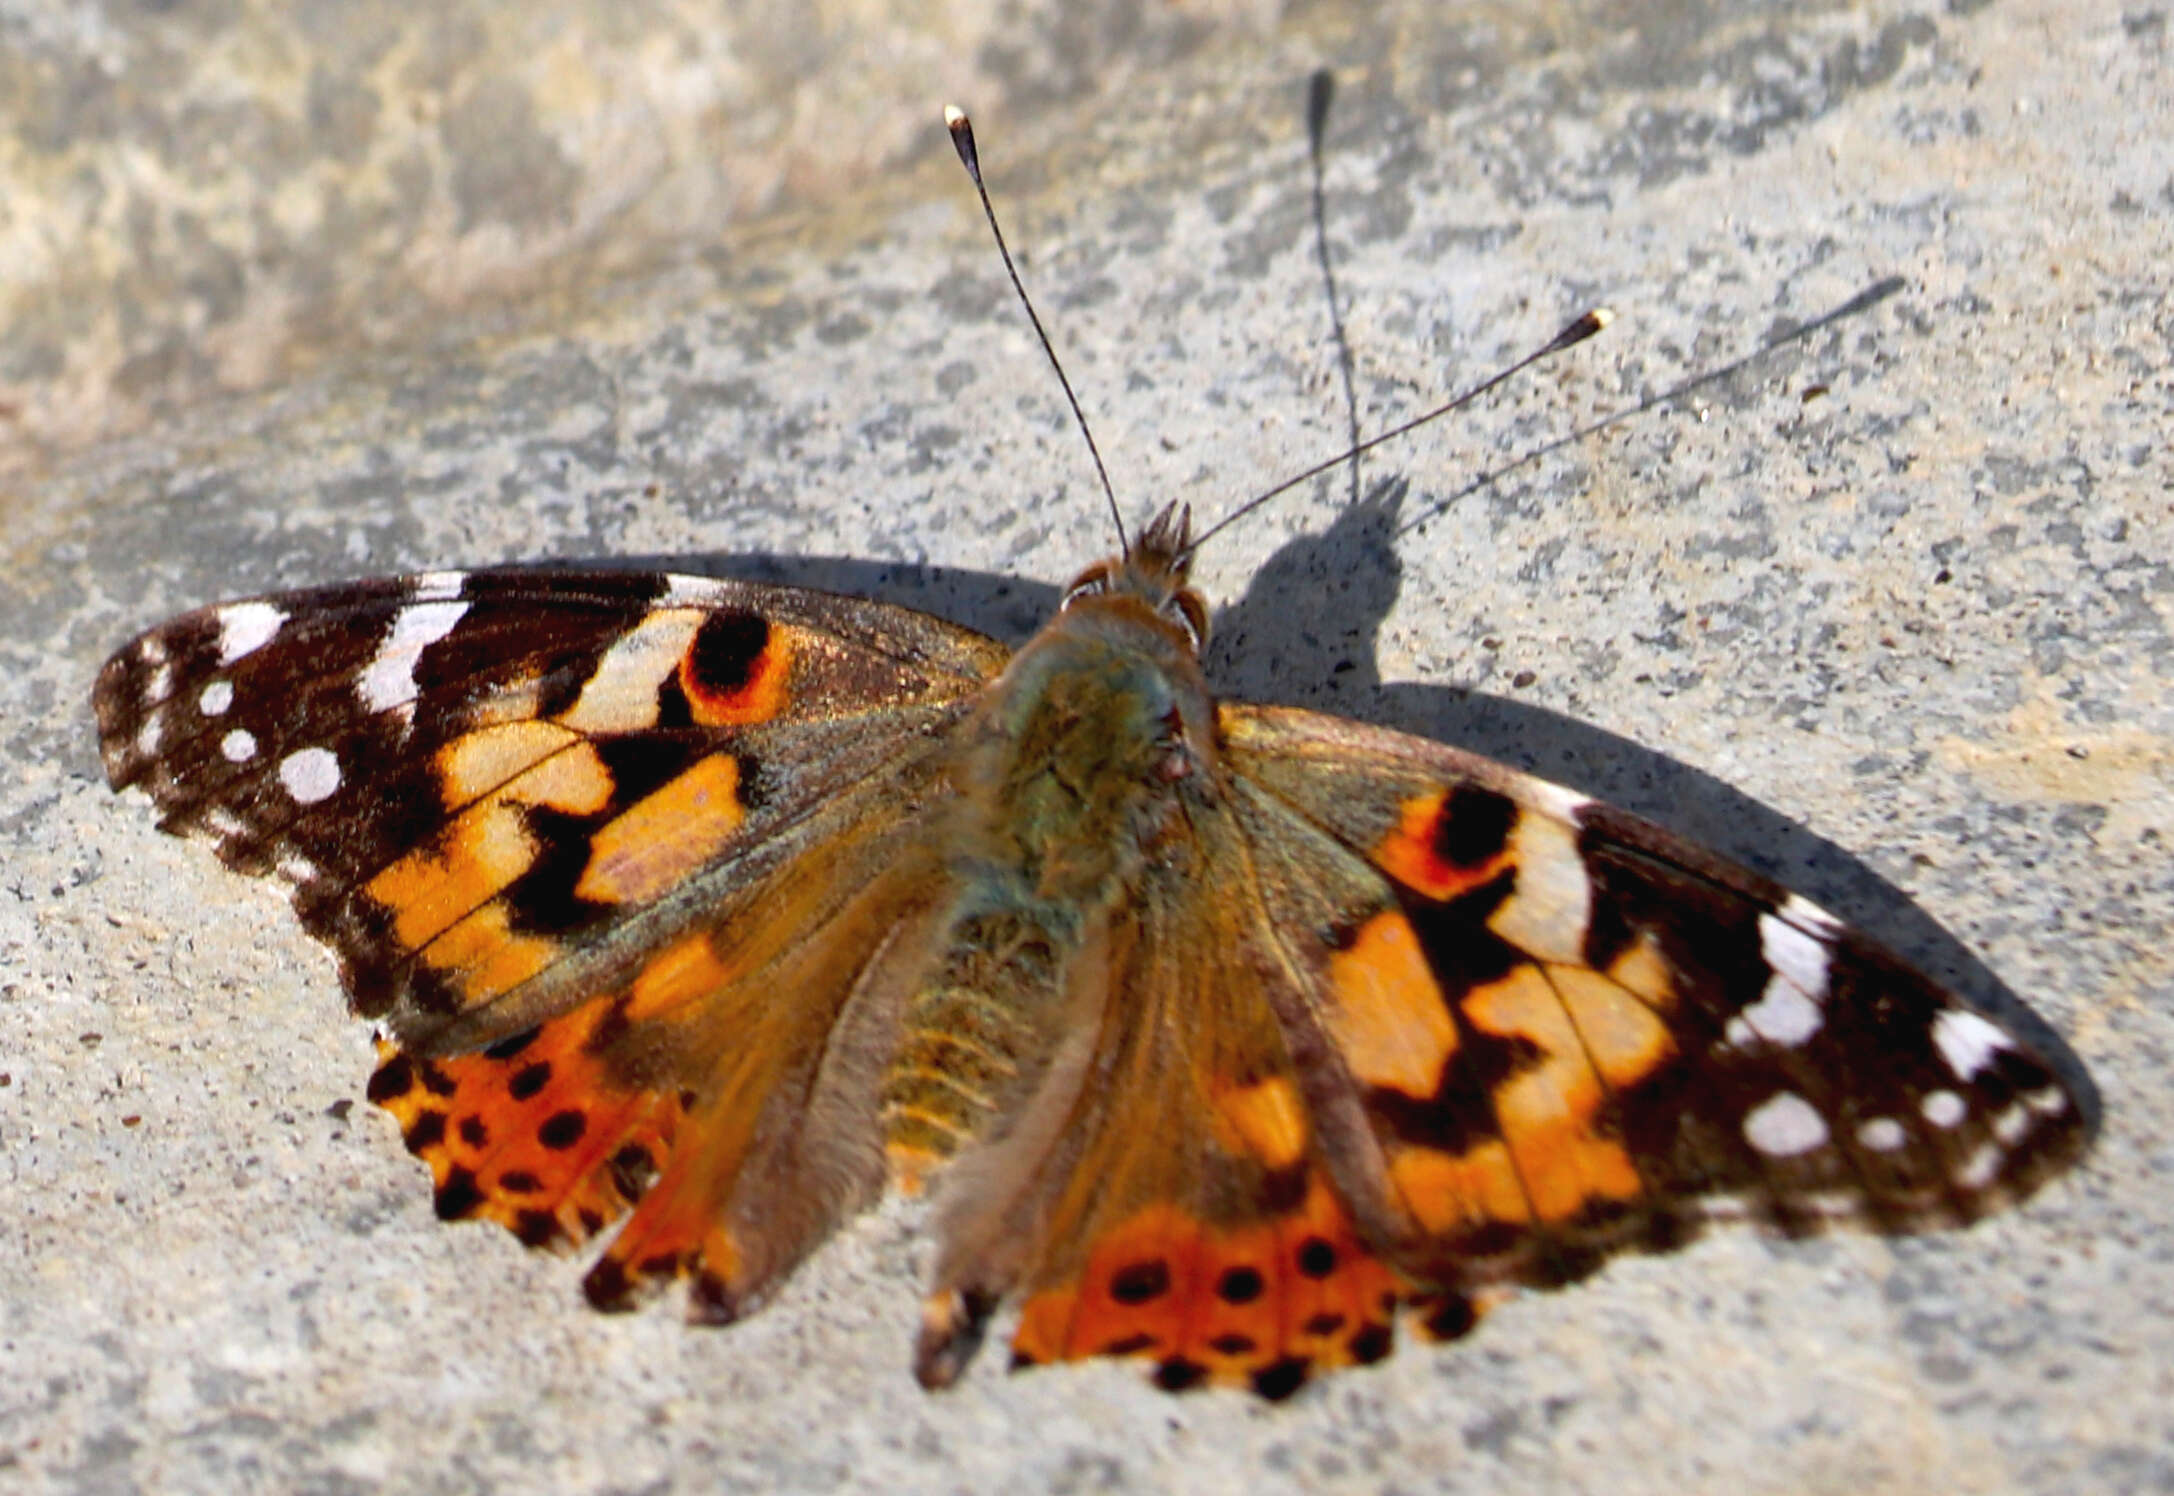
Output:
x,y
1573,1034
1163,1193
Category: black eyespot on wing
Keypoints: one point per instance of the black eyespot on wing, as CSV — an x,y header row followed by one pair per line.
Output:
x,y
1278,1381
1140,1282
528,1080
1372,1343
1240,1285
458,1197
1179,1375
392,1080
726,649
561,1130
426,1131
1473,826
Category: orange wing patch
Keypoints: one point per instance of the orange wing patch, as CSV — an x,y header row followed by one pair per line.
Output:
x,y
677,1232
1263,1304
486,957
1448,1193
531,1132
666,835
1554,1159
439,895
1548,1110
1448,841
487,758
1265,1121
676,976
1388,1017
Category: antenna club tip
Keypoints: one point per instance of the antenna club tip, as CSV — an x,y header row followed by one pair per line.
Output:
x,y
1577,330
962,139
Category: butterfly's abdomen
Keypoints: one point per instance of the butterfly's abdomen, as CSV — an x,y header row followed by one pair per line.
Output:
x,y
974,1033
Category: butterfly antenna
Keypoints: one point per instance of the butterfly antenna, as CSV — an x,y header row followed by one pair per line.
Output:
x,y
962,138
1864,300
1574,333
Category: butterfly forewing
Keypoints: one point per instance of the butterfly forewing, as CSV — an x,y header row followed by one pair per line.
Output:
x,y
1574,1034
469,776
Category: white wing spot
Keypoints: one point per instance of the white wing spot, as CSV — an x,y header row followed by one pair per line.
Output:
x,y
224,822
296,868
1979,1169
161,684
691,592
1549,910
310,774
1834,1205
390,679
2011,1125
1967,1042
1784,1125
439,586
1882,1134
1793,954
621,693
147,736
1942,1108
239,746
1553,800
245,628
1788,1012
2048,1101
215,698
1801,911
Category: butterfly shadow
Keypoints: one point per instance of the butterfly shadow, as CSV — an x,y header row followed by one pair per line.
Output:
x,y
1304,634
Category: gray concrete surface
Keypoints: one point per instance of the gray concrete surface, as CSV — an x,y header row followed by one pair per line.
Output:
x,y
1887,614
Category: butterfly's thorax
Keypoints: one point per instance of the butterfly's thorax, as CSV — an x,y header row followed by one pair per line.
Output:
x,y
1073,783
1076,770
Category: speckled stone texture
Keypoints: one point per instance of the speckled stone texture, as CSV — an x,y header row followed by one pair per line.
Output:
x,y
1886,613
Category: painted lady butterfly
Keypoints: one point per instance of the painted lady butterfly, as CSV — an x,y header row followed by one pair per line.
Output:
x,y
1237,1034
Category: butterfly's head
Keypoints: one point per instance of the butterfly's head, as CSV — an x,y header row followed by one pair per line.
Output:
x,y
1155,570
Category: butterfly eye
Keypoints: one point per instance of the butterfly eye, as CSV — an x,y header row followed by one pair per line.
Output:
x,y
1186,610
1092,582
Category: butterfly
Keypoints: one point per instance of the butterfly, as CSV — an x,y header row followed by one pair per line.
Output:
x,y
1233,1037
